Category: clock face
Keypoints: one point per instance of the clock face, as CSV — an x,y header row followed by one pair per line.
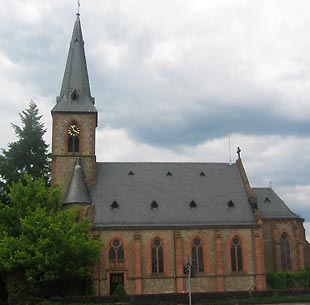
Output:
x,y
74,130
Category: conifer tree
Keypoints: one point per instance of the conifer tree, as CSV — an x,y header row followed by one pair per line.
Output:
x,y
29,154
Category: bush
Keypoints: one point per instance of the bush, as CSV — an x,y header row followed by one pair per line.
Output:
x,y
287,280
303,279
119,290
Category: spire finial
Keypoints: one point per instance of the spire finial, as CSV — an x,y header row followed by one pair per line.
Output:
x,y
79,4
238,152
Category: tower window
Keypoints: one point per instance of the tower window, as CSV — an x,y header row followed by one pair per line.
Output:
x,y
73,137
74,95
73,144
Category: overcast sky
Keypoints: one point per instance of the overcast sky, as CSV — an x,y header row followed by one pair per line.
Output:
x,y
174,80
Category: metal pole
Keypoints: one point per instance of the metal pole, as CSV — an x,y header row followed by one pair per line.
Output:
x,y
189,285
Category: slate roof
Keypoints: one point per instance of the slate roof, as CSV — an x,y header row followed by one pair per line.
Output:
x,y
134,188
271,206
78,191
75,78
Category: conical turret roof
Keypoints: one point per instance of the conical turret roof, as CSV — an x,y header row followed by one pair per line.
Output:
x,y
75,93
78,191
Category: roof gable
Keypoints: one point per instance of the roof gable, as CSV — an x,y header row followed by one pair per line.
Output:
x,y
271,206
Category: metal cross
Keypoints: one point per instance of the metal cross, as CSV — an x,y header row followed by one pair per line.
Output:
x,y
238,152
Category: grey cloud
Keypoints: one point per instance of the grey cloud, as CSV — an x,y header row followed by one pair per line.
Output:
x,y
191,127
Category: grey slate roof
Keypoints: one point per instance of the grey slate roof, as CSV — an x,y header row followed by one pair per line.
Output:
x,y
271,206
75,77
134,194
78,191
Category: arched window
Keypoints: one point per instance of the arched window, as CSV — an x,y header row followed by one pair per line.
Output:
x,y
116,251
157,256
285,252
197,255
236,255
73,137
73,144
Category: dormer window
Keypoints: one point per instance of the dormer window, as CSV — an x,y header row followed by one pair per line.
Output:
x,y
230,204
154,205
267,199
193,204
74,95
114,205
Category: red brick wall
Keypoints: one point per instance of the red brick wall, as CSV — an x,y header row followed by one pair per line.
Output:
x,y
217,275
272,232
307,255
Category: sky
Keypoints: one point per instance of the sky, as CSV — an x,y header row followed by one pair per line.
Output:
x,y
175,80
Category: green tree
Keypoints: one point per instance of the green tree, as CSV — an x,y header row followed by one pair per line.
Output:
x,y
41,244
29,154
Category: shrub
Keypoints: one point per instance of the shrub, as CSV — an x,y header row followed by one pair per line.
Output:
x,y
287,280
119,290
303,279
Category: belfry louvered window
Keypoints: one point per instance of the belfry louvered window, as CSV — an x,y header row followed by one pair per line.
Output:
x,y
73,138
157,256
197,255
73,144
285,252
236,255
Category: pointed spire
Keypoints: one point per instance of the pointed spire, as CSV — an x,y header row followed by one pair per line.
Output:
x,y
75,93
78,191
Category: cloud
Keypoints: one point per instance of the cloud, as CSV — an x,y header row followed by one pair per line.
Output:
x,y
237,70
174,79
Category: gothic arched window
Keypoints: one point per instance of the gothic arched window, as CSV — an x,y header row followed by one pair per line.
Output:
x,y
116,251
157,256
236,255
197,255
285,252
73,137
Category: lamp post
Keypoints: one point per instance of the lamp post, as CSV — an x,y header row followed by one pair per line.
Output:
x,y
188,271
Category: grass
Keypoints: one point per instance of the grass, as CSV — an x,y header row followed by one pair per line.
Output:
x,y
251,299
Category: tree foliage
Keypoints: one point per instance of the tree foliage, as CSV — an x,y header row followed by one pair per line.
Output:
x,y
29,154
40,242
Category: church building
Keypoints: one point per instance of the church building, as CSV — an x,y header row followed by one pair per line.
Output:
x,y
153,218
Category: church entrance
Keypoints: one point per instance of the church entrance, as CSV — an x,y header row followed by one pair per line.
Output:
x,y
116,279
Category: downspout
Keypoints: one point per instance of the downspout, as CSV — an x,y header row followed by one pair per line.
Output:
x,y
175,262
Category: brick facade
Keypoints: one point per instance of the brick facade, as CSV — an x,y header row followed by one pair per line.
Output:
x,y
272,231
63,162
217,274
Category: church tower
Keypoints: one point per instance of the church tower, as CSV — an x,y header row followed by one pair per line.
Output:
x,y
74,124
